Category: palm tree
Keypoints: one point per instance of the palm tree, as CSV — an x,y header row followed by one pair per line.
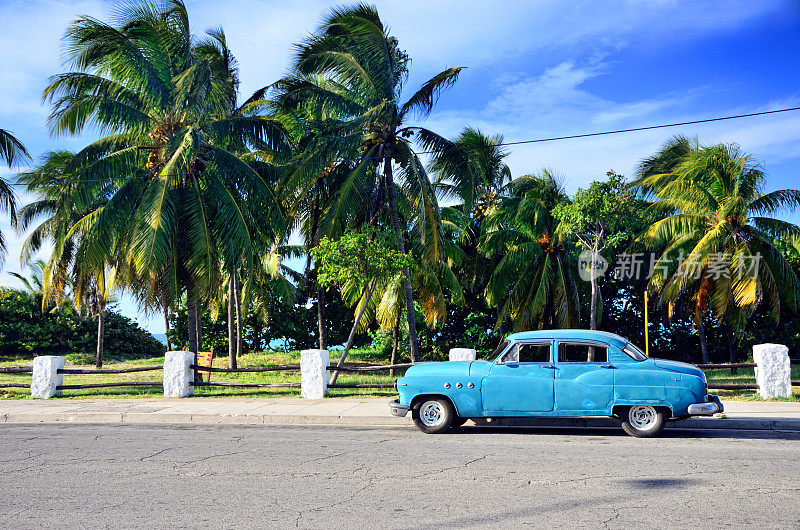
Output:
x,y
92,285
308,189
178,198
476,176
353,66
11,152
534,281
717,237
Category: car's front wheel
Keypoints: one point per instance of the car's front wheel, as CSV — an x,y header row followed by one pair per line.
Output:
x,y
643,421
433,415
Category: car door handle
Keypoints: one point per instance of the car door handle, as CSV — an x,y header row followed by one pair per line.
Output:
x,y
550,366
606,366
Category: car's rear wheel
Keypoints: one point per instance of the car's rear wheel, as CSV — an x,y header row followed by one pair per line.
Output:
x,y
433,415
643,421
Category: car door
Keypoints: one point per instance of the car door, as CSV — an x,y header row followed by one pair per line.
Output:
x,y
521,381
583,386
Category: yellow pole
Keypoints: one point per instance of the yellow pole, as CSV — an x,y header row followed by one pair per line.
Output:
x,y
646,330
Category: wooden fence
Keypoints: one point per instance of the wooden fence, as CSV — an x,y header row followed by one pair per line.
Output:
x,y
85,371
294,368
732,367
24,370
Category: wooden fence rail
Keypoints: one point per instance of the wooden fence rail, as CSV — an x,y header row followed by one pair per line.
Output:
x,y
726,365
244,385
16,370
370,368
110,370
364,385
101,385
287,367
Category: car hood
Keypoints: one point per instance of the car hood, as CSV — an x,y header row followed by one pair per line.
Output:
x,y
679,367
451,368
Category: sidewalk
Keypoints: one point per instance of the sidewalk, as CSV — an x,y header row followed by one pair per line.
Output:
x,y
741,415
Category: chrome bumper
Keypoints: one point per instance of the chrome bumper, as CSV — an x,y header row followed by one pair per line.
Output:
x,y
398,409
712,406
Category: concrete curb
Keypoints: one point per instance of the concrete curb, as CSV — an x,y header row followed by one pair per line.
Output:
x,y
743,423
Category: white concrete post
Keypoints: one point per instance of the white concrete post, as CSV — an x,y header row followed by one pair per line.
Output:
x,y
462,354
774,372
177,374
314,373
45,376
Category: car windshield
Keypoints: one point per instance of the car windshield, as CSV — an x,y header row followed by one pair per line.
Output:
x,y
500,347
633,352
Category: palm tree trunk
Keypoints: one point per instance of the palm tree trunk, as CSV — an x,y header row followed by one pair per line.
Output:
x,y
593,303
166,327
732,352
191,322
238,308
701,331
323,331
198,321
395,343
231,334
368,290
101,324
412,325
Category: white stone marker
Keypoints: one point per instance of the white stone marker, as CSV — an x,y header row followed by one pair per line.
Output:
x,y
45,376
774,372
177,374
314,373
462,354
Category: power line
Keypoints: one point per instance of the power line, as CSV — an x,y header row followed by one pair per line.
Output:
x,y
518,142
650,127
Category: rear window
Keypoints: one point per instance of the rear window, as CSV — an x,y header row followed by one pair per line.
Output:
x,y
634,353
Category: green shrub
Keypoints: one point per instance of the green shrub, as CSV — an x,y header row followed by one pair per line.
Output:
x,y
26,331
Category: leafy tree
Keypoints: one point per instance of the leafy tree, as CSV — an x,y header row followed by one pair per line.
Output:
x,y
178,199
718,237
353,65
605,216
359,262
534,282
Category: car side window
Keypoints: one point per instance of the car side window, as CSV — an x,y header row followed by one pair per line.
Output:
x,y
579,352
537,352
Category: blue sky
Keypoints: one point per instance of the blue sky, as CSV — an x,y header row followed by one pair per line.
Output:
x,y
536,69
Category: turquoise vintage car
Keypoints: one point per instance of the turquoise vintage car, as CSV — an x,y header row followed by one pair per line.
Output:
x,y
556,373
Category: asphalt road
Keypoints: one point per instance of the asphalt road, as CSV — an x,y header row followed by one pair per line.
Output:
x,y
281,476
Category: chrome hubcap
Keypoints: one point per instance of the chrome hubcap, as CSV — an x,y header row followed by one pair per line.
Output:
x,y
642,417
431,413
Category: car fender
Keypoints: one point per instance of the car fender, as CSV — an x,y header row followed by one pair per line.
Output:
x,y
463,392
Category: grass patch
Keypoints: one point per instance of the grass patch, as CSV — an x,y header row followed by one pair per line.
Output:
x,y
249,360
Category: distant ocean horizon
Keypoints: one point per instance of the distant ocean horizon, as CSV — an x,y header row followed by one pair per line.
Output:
x,y
275,344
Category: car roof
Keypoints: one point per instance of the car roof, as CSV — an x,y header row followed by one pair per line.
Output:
x,y
584,334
